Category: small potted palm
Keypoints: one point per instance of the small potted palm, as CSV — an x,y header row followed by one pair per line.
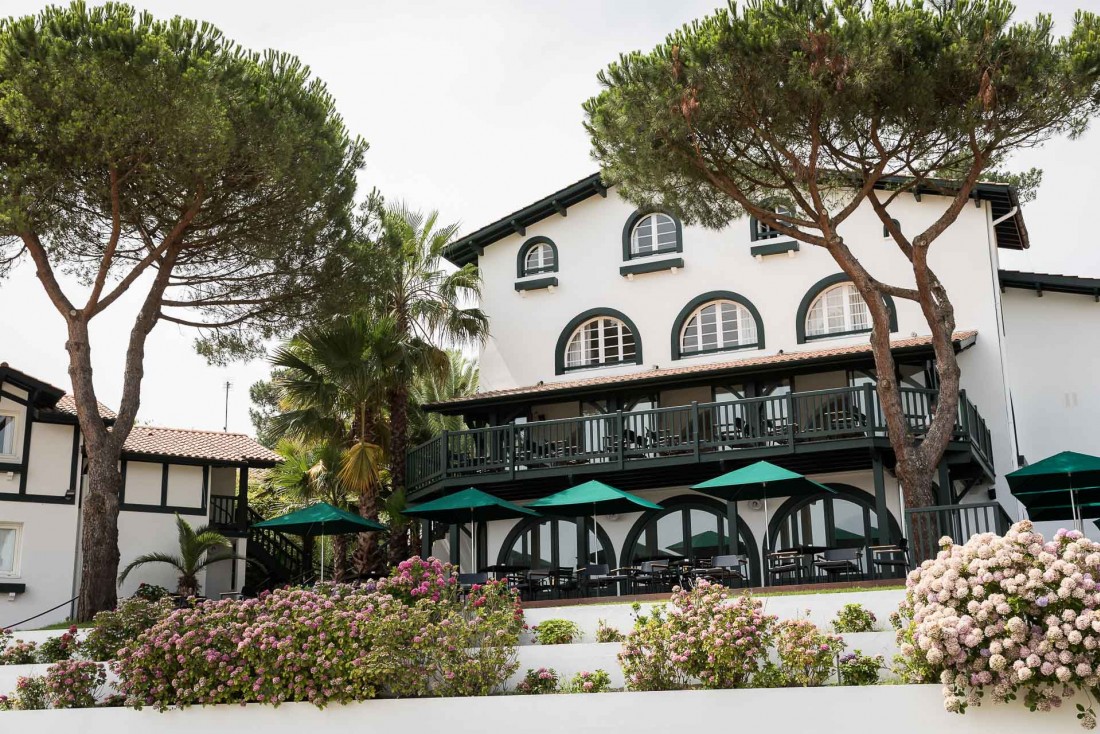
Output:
x,y
199,548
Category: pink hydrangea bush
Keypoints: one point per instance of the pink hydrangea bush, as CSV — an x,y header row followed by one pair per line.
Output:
x,y
709,635
807,655
14,652
408,635
595,681
72,684
543,680
1011,617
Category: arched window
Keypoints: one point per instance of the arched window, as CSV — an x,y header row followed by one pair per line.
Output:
x,y
846,519
689,527
759,230
651,233
833,307
718,326
603,340
552,543
537,255
839,309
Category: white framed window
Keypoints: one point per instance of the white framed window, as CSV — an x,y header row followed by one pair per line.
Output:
x,y
653,234
539,259
11,539
716,326
603,340
9,429
839,309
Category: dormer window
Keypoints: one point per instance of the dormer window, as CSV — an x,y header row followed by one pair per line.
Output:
x,y
839,309
600,341
537,255
651,233
759,230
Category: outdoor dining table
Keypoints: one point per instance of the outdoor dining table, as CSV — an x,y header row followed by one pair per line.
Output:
x,y
503,570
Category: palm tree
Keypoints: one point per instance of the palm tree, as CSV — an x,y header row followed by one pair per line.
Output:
x,y
460,380
198,549
312,472
429,305
332,389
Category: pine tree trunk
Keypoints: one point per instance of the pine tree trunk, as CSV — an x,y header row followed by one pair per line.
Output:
x,y
339,558
99,538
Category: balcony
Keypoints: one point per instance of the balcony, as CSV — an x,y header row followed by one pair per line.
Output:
x,y
841,419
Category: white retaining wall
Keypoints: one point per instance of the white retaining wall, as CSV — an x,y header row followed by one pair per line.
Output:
x,y
896,709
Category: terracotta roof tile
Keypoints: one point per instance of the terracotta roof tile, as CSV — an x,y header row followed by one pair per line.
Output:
x,y
67,405
191,444
959,337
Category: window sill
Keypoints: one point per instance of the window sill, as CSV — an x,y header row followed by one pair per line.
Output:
x,y
11,587
836,335
675,263
723,350
770,247
536,284
593,367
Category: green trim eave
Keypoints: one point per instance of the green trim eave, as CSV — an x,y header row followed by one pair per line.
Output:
x,y
536,284
694,303
1011,233
576,321
814,291
521,256
774,248
628,231
652,266
1049,282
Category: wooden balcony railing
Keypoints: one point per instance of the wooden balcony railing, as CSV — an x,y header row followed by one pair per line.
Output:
x,y
697,429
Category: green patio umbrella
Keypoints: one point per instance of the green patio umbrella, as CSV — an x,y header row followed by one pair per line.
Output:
x,y
1056,484
759,481
470,505
705,539
592,498
321,519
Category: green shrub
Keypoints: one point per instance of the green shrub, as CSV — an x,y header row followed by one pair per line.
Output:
x,y
857,669
56,649
807,656
31,693
543,680
607,633
596,681
854,618
647,654
113,630
556,632
151,592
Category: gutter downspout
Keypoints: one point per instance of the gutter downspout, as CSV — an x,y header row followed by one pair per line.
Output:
x,y
1011,213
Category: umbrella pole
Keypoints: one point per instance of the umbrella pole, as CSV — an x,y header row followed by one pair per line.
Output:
x,y
322,559
767,540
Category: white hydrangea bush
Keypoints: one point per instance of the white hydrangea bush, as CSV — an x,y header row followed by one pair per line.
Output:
x,y
1013,617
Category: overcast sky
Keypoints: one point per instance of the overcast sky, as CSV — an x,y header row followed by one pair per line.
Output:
x,y
472,108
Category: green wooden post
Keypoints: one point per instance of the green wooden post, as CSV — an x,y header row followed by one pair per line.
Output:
x,y
944,494
964,414
871,408
877,471
456,547
790,421
620,438
425,538
582,542
443,454
510,450
733,539
695,427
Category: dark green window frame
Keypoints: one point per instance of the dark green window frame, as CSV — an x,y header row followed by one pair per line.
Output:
x,y
628,231
816,290
700,300
575,323
521,257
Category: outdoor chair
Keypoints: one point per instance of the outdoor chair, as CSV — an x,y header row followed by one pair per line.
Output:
x,y
784,565
562,582
599,577
468,580
837,562
890,561
726,570
652,576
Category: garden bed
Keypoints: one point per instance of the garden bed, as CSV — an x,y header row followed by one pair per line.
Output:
x,y
907,709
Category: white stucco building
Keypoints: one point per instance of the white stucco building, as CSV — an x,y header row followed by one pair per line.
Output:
x,y
651,355
200,475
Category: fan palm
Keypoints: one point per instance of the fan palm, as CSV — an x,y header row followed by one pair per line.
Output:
x,y
461,380
199,548
332,385
429,305
311,472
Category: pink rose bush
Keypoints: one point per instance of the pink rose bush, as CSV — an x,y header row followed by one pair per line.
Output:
x,y
706,634
595,681
15,652
1012,617
543,680
411,634
807,656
